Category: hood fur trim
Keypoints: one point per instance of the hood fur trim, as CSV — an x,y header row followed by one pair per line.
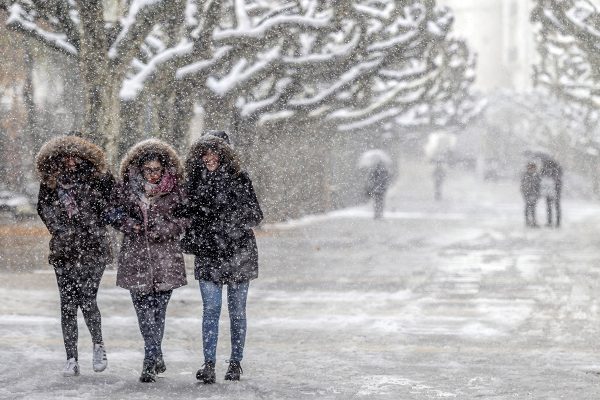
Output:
x,y
208,142
151,146
51,153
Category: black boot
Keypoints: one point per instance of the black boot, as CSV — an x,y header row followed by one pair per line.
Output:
x,y
148,375
160,365
207,373
234,371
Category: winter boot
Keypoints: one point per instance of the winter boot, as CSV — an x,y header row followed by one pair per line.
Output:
x,y
207,373
234,371
148,375
160,365
99,361
71,368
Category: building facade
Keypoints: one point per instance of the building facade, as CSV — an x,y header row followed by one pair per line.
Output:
x,y
501,34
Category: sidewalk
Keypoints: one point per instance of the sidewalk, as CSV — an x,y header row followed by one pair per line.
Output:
x,y
456,300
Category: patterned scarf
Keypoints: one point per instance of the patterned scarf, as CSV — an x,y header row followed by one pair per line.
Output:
x,y
66,195
148,192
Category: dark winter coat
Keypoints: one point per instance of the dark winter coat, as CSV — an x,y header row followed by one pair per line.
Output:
x,y
82,236
378,180
149,260
530,186
223,209
552,169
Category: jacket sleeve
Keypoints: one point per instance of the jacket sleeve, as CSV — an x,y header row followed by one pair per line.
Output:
x,y
106,186
48,210
116,214
195,203
168,226
246,210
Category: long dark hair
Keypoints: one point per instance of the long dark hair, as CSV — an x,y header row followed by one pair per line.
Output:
x,y
152,156
228,159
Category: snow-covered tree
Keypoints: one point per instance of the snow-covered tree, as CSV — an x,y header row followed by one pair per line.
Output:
x,y
569,67
351,63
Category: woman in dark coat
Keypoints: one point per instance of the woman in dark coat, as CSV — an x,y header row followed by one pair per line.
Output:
x,y
377,184
530,189
223,209
150,260
74,194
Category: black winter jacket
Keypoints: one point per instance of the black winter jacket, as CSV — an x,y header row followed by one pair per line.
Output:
x,y
223,209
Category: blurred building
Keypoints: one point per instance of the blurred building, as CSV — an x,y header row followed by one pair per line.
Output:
x,y
501,33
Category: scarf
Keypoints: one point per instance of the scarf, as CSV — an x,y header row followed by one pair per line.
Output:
x,y
148,192
66,195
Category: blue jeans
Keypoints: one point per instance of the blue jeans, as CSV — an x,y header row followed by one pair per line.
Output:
x,y
151,310
237,293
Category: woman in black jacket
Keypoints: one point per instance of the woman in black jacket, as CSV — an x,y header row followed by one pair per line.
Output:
x,y
74,195
223,209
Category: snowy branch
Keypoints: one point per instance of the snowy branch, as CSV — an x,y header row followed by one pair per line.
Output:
x,y
133,86
21,21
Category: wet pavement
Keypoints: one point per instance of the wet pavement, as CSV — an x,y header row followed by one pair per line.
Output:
x,y
437,300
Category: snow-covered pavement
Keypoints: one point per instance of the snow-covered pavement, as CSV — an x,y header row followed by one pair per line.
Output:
x,y
452,301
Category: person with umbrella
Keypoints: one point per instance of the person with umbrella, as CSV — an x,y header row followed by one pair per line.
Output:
x,y
378,179
550,173
530,189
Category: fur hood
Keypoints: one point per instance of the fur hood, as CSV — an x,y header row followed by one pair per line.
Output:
x,y
151,146
50,155
228,157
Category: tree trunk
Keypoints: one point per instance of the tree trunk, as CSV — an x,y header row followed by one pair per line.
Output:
x,y
182,114
131,113
100,81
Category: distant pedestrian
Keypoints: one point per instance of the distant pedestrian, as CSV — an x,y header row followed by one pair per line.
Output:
x,y
530,189
548,192
150,262
73,198
223,209
551,169
377,185
439,175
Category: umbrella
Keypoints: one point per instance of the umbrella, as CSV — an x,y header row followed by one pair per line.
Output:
x,y
549,165
371,158
439,146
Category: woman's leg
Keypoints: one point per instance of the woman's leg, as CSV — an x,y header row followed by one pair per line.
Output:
x,y
160,313
211,305
69,300
549,206
237,293
144,304
557,205
89,306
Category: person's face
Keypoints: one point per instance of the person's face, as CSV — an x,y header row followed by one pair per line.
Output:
x,y
211,160
71,163
152,171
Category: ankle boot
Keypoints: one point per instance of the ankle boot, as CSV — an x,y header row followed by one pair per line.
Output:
x,y
234,371
148,375
207,373
160,365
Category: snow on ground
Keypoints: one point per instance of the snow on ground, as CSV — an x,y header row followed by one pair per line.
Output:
x,y
451,300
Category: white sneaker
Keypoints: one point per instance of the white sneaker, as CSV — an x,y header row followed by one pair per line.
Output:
x,y
99,362
71,368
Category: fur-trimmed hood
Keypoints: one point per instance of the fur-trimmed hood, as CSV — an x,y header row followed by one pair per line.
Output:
x,y
228,157
151,146
50,155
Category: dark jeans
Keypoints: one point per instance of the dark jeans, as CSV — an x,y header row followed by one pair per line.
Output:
x,y
378,202
78,287
530,219
237,293
550,204
151,310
